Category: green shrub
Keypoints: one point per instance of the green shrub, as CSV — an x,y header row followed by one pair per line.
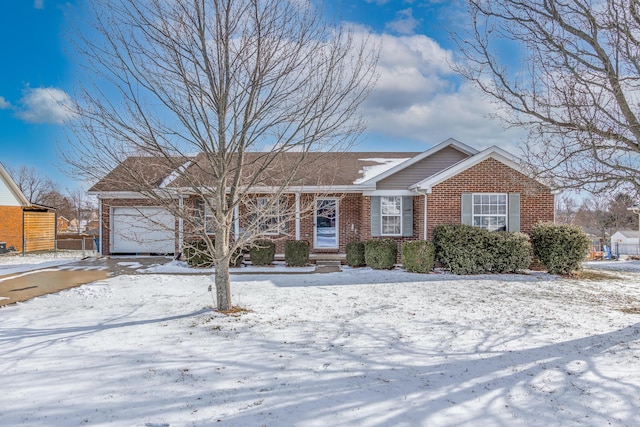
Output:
x,y
465,249
296,253
461,248
197,255
418,256
510,252
380,254
355,254
263,252
561,248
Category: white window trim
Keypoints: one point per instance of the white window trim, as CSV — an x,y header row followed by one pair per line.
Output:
x,y
382,233
505,215
315,221
276,208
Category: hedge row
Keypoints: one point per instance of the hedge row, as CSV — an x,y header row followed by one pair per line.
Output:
x,y
464,249
296,253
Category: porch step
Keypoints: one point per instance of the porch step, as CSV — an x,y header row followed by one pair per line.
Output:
x,y
328,262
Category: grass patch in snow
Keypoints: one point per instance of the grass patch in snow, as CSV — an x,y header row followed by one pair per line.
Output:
x,y
593,275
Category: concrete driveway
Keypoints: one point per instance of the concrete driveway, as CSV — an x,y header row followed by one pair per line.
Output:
x,y
24,286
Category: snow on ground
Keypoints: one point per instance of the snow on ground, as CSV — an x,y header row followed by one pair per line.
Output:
x,y
181,267
18,263
357,348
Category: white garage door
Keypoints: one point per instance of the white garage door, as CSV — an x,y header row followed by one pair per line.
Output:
x,y
142,230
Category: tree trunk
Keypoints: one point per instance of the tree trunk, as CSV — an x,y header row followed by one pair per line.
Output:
x,y
221,264
223,285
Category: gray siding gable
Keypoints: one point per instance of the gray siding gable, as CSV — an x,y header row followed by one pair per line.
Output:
x,y
423,169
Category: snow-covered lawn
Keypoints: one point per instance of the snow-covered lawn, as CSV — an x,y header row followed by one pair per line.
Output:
x,y
17,263
357,348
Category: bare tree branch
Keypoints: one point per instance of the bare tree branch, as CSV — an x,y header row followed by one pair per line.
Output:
x,y
568,71
213,92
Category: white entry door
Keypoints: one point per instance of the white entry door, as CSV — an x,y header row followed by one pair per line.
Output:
x,y
325,235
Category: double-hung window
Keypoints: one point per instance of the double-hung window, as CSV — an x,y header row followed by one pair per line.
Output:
x,y
270,221
490,211
204,211
391,215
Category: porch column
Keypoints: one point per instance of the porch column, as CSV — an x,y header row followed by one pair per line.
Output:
x,y
297,216
236,222
181,224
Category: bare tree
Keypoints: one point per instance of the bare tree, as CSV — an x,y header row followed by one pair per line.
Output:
x,y
240,83
569,71
34,185
566,209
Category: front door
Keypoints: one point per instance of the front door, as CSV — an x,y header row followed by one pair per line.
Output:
x,y
326,221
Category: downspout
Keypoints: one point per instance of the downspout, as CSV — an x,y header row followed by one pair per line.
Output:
x,y
424,231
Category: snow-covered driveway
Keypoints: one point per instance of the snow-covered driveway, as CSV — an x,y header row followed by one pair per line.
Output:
x,y
357,348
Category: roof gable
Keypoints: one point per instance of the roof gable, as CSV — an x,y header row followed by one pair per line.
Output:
x,y
494,152
10,193
453,143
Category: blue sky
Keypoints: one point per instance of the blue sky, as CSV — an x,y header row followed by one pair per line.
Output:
x,y
418,101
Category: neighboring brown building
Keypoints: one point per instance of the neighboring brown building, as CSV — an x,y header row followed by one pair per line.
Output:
x,y
358,196
23,225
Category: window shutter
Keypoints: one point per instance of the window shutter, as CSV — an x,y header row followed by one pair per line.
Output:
x,y
467,208
514,211
407,216
376,226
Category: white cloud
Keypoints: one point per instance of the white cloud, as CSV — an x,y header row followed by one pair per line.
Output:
x,y
46,105
38,4
418,98
4,104
404,23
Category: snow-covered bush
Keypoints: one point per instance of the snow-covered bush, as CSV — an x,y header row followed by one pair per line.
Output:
x,y
418,256
561,248
355,254
296,253
381,254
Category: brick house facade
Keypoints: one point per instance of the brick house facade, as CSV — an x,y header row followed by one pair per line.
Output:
x,y
402,196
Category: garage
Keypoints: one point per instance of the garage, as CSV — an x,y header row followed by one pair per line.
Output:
x,y
142,230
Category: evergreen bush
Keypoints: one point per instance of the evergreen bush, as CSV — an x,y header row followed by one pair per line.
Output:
x,y
510,252
263,252
561,248
418,256
464,249
197,255
355,254
380,254
296,253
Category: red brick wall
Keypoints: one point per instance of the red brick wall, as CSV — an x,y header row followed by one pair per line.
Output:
x,y
349,220
11,226
489,176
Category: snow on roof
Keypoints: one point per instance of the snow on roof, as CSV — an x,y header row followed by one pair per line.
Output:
x,y
383,165
175,174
